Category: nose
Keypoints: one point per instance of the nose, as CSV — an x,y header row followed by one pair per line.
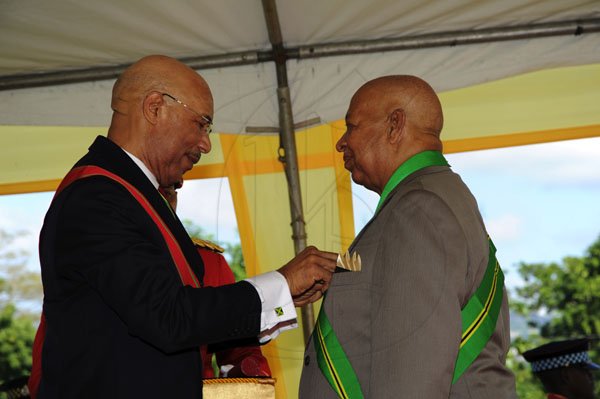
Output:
x,y
341,143
205,144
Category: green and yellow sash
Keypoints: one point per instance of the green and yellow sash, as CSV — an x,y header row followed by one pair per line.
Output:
x,y
333,362
479,315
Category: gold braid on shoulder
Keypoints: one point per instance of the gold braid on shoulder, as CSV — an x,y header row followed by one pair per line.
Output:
x,y
207,244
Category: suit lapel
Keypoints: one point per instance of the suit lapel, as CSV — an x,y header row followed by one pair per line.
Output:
x,y
421,172
108,155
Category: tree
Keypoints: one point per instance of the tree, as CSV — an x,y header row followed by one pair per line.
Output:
x,y
17,287
568,293
16,341
233,251
528,386
236,260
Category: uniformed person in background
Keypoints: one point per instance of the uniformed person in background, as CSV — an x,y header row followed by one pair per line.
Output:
x,y
242,358
564,368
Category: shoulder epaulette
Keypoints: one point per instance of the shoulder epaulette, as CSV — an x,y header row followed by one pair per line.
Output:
x,y
207,244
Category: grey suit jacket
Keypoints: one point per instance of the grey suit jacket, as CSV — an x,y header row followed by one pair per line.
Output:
x,y
398,320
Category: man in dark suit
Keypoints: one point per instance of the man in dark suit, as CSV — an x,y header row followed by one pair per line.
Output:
x,y
394,328
124,308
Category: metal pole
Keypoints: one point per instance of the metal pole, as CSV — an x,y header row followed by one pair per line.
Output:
x,y
440,39
50,78
449,39
288,142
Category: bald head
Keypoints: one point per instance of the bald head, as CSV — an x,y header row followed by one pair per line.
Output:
x,y
162,110
412,95
155,73
389,120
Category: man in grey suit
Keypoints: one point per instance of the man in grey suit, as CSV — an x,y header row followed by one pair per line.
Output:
x,y
394,329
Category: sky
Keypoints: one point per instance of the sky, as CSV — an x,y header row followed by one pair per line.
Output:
x,y
539,202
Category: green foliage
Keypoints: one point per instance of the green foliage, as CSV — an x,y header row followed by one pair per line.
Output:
x,y
233,252
528,387
569,294
16,340
196,231
17,286
236,260
16,283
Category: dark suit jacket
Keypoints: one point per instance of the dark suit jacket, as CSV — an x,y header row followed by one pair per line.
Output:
x,y
120,324
398,320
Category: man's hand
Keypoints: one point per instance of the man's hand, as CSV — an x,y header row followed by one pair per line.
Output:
x,y
308,274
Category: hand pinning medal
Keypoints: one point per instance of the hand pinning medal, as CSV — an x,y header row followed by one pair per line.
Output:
x,y
349,262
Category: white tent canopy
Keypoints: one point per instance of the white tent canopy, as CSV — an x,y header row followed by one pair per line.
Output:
x,y
63,35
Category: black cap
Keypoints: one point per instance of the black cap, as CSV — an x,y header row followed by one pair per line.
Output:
x,y
560,354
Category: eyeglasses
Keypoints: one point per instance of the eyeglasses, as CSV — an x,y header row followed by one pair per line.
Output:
x,y
207,126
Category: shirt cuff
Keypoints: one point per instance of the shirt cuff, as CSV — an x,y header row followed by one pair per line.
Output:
x,y
225,369
278,311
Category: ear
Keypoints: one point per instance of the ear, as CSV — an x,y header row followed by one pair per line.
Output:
x,y
151,105
397,122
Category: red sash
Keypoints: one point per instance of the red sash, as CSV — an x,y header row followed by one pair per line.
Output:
x,y
183,268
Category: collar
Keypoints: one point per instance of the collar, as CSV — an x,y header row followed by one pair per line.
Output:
x,y
144,168
416,162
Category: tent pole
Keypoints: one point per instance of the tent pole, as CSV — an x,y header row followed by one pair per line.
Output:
x,y
439,39
448,39
105,72
288,143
